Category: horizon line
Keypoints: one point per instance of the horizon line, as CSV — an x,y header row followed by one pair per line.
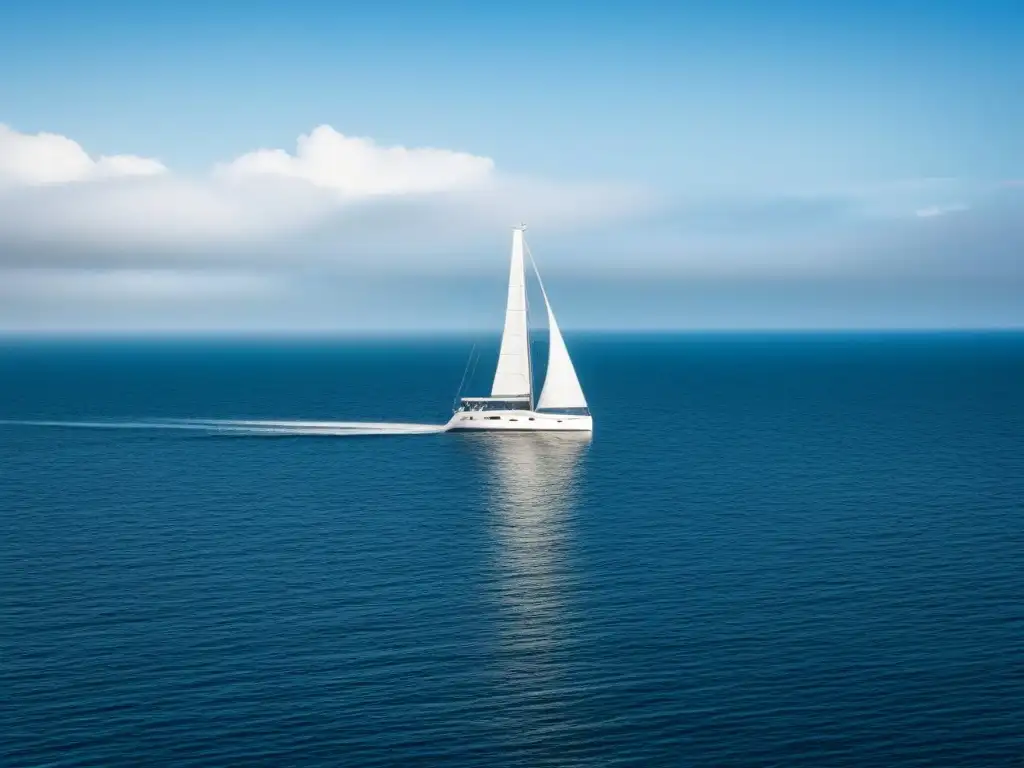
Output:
x,y
342,333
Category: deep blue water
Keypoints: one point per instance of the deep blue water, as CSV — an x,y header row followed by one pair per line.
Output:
x,y
776,550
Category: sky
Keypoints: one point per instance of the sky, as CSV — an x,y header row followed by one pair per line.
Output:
x,y
337,167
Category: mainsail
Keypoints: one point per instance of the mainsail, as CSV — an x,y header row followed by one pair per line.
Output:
x,y
512,378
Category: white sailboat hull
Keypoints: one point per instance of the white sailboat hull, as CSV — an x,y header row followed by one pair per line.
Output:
x,y
519,421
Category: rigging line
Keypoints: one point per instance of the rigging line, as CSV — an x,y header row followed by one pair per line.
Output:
x,y
547,306
475,361
536,271
458,393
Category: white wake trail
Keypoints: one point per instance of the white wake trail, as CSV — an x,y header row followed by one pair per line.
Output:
x,y
250,427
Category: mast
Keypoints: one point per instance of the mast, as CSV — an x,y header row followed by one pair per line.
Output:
x,y
526,300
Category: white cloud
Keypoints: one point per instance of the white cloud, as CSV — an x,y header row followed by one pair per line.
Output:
x,y
152,217
48,158
145,285
337,198
127,165
357,167
82,235
932,211
120,241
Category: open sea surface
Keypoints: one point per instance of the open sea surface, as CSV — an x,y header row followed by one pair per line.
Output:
x,y
777,550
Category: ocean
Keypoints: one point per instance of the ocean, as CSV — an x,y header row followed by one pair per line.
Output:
x,y
776,550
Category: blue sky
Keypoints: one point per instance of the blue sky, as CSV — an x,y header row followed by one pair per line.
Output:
x,y
709,165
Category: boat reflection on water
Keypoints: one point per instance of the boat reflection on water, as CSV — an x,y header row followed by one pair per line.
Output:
x,y
534,483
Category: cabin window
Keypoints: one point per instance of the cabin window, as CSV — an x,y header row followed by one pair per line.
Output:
x,y
492,418
513,419
513,404
531,418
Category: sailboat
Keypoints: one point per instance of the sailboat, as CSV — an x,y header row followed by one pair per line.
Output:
x,y
561,405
